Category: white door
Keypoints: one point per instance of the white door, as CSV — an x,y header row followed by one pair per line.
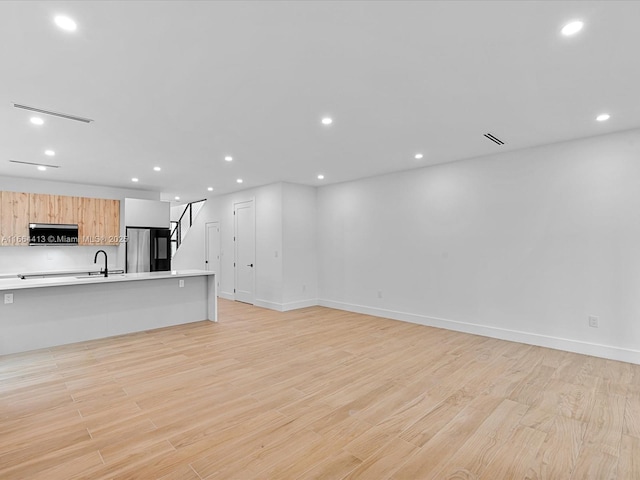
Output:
x,y
212,249
245,250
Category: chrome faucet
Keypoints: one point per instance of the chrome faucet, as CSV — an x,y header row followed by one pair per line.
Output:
x,y
95,260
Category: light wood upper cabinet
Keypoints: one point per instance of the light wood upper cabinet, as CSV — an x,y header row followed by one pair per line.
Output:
x,y
67,209
87,225
99,222
41,208
112,221
53,209
14,218
98,219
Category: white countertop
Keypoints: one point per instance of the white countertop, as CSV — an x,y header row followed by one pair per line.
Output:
x,y
7,284
70,273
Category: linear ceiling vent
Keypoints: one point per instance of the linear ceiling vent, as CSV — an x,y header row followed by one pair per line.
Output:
x,y
35,164
494,139
55,114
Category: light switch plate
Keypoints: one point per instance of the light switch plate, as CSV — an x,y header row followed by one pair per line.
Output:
x,y
8,298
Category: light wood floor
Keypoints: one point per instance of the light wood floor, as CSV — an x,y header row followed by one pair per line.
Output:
x,y
315,393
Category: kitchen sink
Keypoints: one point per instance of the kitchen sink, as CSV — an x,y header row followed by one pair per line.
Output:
x,y
77,274
116,275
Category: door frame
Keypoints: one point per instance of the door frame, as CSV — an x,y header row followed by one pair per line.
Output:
x,y
252,201
206,249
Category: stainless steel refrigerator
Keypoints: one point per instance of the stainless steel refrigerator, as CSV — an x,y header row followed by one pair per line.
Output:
x,y
148,249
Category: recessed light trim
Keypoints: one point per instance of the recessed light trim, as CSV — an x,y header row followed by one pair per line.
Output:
x,y
603,117
36,121
320,177
50,153
228,158
176,197
210,189
65,23
135,180
42,168
239,180
156,169
572,28
327,120
418,156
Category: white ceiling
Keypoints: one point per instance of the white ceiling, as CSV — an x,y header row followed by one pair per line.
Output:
x,y
182,84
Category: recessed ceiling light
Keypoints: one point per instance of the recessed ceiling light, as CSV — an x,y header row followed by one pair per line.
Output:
x,y
418,156
42,168
65,23
327,121
36,120
572,28
320,177
157,169
228,158
134,179
239,180
49,153
177,198
603,117
210,189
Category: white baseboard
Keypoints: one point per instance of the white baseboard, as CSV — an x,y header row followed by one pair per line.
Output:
x,y
285,307
226,295
299,304
576,346
266,304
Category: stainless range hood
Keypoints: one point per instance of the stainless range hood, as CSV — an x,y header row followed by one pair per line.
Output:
x,y
53,234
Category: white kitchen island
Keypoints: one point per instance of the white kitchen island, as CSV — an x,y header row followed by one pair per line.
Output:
x,y
47,312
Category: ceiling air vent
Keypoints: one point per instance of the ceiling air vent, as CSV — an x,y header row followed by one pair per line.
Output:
x,y
494,139
55,114
35,164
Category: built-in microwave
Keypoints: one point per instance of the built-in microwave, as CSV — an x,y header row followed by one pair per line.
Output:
x,y
52,234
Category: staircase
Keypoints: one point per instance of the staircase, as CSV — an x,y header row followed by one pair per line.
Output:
x,y
180,227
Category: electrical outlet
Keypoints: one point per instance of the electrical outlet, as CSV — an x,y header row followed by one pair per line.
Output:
x,y
8,298
593,321
181,283
379,293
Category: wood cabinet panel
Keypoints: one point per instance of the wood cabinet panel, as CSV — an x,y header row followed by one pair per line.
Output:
x,y
14,218
100,228
98,219
66,209
53,208
112,221
87,224
99,222
42,208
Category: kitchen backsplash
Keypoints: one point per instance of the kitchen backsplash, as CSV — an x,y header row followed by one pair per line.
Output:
x,y
40,259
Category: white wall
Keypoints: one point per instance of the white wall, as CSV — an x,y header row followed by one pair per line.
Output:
x,y
523,245
139,212
286,254
176,211
268,270
28,259
299,251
